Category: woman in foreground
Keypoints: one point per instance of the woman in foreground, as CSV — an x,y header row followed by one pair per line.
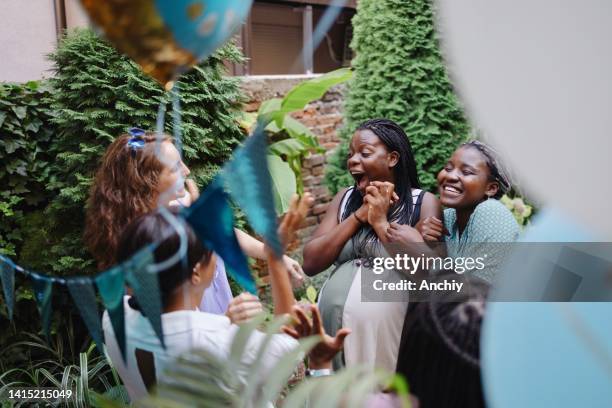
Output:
x,y
182,286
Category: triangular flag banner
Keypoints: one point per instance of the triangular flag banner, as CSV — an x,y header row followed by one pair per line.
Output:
x,y
146,289
42,292
111,287
250,184
84,296
7,276
213,221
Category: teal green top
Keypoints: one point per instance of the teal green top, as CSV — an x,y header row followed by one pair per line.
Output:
x,y
490,224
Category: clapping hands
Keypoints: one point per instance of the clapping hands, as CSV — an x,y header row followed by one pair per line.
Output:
x,y
379,198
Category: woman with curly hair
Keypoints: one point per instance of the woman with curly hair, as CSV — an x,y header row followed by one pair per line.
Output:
x,y
138,173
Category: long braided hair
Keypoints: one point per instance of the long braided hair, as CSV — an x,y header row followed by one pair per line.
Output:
x,y
405,172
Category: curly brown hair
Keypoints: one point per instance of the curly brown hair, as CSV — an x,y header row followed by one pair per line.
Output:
x,y
124,188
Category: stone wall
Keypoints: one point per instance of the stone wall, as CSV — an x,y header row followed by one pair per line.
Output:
x,y
323,117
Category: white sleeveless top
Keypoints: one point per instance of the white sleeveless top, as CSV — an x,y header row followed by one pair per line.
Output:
x,y
376,326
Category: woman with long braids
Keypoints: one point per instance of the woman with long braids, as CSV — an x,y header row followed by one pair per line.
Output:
x,y
383,206
475,222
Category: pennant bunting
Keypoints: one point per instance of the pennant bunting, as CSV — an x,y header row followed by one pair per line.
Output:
x,y
111,287
42,292
84,296
249,182
212,219
7,277
145,285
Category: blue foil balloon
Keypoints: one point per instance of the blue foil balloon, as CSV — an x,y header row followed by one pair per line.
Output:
x,y
167,37
547,354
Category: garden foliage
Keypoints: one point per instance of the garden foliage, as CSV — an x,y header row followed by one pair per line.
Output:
x,y
53,133
26,132
399,74
96,94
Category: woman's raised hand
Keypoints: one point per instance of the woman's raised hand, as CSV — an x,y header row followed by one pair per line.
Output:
x,y
432,229
282,292
327,348
403,234
298,209
379,196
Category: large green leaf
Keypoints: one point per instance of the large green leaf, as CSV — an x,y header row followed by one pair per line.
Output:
x,y
309,91
271,105
299,131
283,183
268,110
288,148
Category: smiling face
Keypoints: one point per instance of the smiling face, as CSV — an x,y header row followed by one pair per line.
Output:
x,y
171,183
465,180
370,160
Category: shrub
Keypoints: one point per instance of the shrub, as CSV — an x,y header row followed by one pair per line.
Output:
x,y
96,95
26,135
399,75
53,134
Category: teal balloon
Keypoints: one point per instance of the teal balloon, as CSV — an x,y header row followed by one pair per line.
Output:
x,y
202,26
552,354
167,37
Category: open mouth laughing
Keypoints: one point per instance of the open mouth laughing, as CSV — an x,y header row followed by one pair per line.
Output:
x,y
450,190
361,180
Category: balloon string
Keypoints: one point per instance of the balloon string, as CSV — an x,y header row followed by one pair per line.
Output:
x,y
176,119
179,255
178,141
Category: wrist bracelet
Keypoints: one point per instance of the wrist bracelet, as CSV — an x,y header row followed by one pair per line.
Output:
x,y
319,373
357,218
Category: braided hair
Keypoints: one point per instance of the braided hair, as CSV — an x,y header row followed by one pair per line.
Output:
x,y
498,172
440,347
405,172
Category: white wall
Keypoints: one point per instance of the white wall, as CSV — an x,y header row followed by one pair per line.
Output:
x,y
28,33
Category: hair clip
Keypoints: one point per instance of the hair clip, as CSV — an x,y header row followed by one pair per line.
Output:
x,y
136,141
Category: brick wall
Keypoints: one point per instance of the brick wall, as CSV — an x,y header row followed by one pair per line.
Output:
x,y
323,117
